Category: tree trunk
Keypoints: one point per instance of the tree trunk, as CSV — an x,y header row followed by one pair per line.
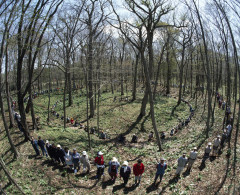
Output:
x,y
90,73
13,148
148,86
64,101
158,72
208,71
144,102
9,175
49,95
70,100
134,90
11,119
32,109
168,73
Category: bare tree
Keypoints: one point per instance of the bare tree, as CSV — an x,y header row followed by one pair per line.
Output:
x,y
31,27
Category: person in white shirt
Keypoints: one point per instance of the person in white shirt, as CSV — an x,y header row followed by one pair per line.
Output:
x,y
85,162
68,157
208,150
216,144
182,161
192,158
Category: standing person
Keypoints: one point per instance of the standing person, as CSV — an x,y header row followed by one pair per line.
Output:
x,y
113,168
223,105
99,161
42,146
85,162
60,154
49,149
134,138
192,158
138,170
72,121
163,135
150,136
182,161
125,172
18,119
229,130
68,157
54,153
161,167
76,160
224,137
208,150
35,145
220,103
216,144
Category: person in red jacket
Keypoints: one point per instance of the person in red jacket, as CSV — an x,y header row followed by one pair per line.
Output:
x,y
138,170
99,161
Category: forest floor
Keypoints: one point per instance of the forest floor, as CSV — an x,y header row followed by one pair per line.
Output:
x,y
40,176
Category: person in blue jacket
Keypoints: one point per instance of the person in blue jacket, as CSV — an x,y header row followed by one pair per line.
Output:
x,y
76,160
42,146
113,168
161,167
35,145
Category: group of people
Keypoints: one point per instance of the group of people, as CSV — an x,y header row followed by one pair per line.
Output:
x,y
68,119
182,123
62,156
223,105
73,159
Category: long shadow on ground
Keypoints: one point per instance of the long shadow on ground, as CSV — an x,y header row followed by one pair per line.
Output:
x,y
139,118
224,177
171,181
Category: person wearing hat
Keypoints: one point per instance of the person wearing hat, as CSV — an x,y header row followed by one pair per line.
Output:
x,y
75,160
192,158
42,146
113,166
216,144
125,172
60,154
208,150
138,170
68,157
85,162
161,167
35,146
182,161
99,161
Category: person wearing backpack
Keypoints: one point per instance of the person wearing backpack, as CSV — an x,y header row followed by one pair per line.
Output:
x,y
113,168
99,161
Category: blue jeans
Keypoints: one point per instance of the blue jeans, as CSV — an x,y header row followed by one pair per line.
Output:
x,y
36,150
44,151
156,177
